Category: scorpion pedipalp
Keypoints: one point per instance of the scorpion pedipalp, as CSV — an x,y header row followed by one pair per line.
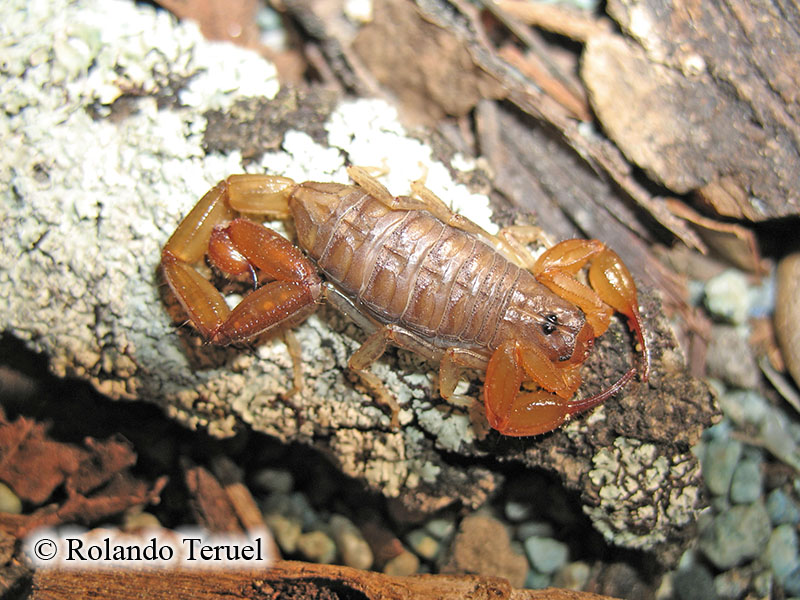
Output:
x,y
515,412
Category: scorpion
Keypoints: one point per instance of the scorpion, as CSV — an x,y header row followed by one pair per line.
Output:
x,y
416,275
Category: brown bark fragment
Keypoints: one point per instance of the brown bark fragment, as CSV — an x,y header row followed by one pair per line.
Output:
x,y
661,120
24,449
95,479
430,72
286,579
714,91
210,504
787,313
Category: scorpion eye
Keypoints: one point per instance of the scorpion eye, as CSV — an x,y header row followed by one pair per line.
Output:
x,y
550,326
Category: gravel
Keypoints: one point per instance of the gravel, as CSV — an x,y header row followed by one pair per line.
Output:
x,y
546,554
781,552
747,482
781,508
719,463
9,501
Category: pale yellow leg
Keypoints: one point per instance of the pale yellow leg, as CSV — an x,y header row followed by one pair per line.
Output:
x,y
265,195
454,361
370,351
295,352
519,237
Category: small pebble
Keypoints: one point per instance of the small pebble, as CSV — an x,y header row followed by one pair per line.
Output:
x,y
736,535
727,296
775,432
748,408
719,462
747,481
353,548
546,554
534,529
732,584
294,505
423,544
440,528
405,563
719,504
317,546
791,585
572,576
781,553
744,407
140,521
285,530
763,584
517,511
781,508
762,297
694,583
730,358
274,480
537,581
9,501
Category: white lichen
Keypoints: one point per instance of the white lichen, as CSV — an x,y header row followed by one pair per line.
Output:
x,y
642,493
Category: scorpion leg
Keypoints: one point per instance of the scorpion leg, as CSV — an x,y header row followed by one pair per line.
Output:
x,y
263,195
612,286
424,199
370,351
450,370
204,305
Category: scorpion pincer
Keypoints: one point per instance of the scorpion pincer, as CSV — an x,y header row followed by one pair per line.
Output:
x,y
417,276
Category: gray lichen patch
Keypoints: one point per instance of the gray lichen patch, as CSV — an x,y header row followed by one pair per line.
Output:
x,y
642,494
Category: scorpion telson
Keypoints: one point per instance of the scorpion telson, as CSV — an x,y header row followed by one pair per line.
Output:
x,y
417,276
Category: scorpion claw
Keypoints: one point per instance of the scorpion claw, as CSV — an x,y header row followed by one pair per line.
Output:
x,y
518,413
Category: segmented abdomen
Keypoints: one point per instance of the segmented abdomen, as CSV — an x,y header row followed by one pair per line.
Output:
x,y
410,269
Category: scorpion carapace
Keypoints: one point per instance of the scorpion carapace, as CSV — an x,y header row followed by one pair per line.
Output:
x,y
415,275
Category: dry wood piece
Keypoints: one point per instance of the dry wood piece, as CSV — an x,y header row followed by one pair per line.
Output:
x,y
223,504
287,579
711,94
732,241
565,20
210,504
95,479
787,313
430,72
87,229
229,20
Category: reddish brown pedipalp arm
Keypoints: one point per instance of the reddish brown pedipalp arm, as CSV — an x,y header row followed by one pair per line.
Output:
x,y
236,246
